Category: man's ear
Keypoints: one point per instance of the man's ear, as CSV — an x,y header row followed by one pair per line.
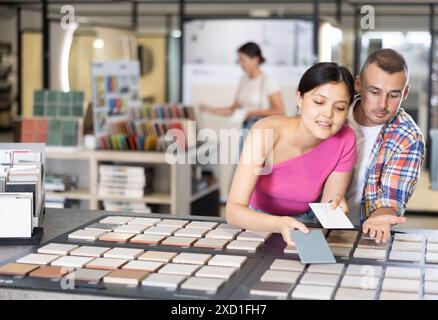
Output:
x,y
406,92
357,84
299,99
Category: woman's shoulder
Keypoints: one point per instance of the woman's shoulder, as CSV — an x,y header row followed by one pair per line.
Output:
x,y
275,123
345,136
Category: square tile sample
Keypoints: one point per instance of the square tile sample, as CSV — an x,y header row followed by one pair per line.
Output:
x,y
411,237
161,230
363,270
223,260
50,272
244,245
320,279
210,243
86,234
215,272
38,258
226,226
192,258
340,252
202,225
193,232
402,273
271,289
432,247
17,269
89,251
71,261
290,249
388,295
172,223
210,285
147,239
431,287
101,227
125,276
89,275
116,220
371,244
123,253
168,281
303,291
280,276
401,285
57,248
253,236
145,221
149,266
354,294
407,246
370,254
287,265
160,256
360,282
431,257
340,242
431,274
106,263
335,268
130,228
406,256
116,237
225,234
350,234
179,241
432,238
179,269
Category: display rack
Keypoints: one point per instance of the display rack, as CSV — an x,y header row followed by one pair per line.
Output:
x,y
179,197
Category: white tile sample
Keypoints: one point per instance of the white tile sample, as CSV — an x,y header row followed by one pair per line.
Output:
x,y
216,272
38,258
287,265
57,248
303,291
71,261
319,279
333,268
280,276
179,269
123,253
223,260
89,251
210,285
168,281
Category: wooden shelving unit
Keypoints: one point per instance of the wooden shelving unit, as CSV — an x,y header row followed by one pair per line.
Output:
x,y
179,198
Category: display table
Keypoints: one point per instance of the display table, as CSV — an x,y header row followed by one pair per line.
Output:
x,y
56,222
157,256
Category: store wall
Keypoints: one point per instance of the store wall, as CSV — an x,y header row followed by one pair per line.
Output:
x,y
31,72
153,83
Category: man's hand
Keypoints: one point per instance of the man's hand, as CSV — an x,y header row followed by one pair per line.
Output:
x,y
379,226
338,200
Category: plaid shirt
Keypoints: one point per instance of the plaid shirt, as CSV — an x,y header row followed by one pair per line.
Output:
x,y
394,166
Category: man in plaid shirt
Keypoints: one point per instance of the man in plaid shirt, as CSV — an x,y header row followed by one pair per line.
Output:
x,y
390,146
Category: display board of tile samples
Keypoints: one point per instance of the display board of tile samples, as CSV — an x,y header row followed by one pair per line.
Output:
x,y
57,119
184,258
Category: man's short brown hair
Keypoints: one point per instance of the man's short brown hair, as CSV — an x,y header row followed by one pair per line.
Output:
x,y
387,60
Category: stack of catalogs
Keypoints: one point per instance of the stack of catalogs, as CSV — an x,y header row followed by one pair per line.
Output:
x,y
127,181
126,206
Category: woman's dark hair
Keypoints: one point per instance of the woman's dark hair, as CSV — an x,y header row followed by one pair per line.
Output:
x,y
326,72
252,50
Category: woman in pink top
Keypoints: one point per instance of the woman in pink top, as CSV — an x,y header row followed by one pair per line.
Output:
x,y
288,162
